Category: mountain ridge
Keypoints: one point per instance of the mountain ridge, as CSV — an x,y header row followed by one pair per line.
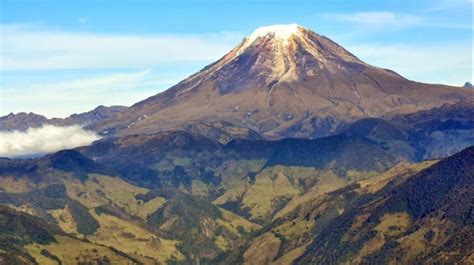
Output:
x,y
21,121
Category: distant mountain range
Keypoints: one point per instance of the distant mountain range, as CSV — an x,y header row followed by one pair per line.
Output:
x,y
288,150
22,121
429,134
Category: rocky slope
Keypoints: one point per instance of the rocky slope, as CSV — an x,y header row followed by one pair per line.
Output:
x,y
283,81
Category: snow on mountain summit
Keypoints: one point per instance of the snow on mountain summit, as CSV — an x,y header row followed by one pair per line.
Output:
x,y
283,81
280,31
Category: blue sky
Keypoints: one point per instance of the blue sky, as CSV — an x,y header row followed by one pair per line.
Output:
x,y
61,57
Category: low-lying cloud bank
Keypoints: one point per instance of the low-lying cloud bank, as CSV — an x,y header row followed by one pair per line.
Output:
x,y
46,139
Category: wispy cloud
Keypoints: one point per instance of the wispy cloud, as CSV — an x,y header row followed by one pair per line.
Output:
x,y
31,47
91,84
445,64
47,139
65,97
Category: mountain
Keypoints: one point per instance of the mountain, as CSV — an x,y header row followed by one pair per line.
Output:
x,y
26,239
223,132
288,150
90,214
441,131
427,134
283,81
22,121
178,196
410,214
427,218
96,115
250,208
172,159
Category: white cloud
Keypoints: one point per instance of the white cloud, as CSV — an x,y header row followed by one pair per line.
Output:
x,y
32,47
445,64
93,83
62,98
47,139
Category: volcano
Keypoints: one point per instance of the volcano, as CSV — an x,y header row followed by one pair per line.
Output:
x,y
283,81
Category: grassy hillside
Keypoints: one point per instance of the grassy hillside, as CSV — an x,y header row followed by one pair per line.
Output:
x,y
26,239
252,178
146,225
183,198
426,217
410,214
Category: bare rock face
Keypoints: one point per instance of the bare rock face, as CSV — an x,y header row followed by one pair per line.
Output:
x,y
283,81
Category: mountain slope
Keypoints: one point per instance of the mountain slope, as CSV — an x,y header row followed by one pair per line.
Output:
x,y
159,160
283,81
428,134
153,197
26,239
426,218
251,178
439,132
157,194
76,194
410,214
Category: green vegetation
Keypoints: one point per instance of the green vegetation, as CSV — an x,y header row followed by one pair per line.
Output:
x,y
401,217
86,224
190,220
179,198
48,254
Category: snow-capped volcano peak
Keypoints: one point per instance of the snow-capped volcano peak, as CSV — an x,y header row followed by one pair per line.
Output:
x,y
280,31
283,79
